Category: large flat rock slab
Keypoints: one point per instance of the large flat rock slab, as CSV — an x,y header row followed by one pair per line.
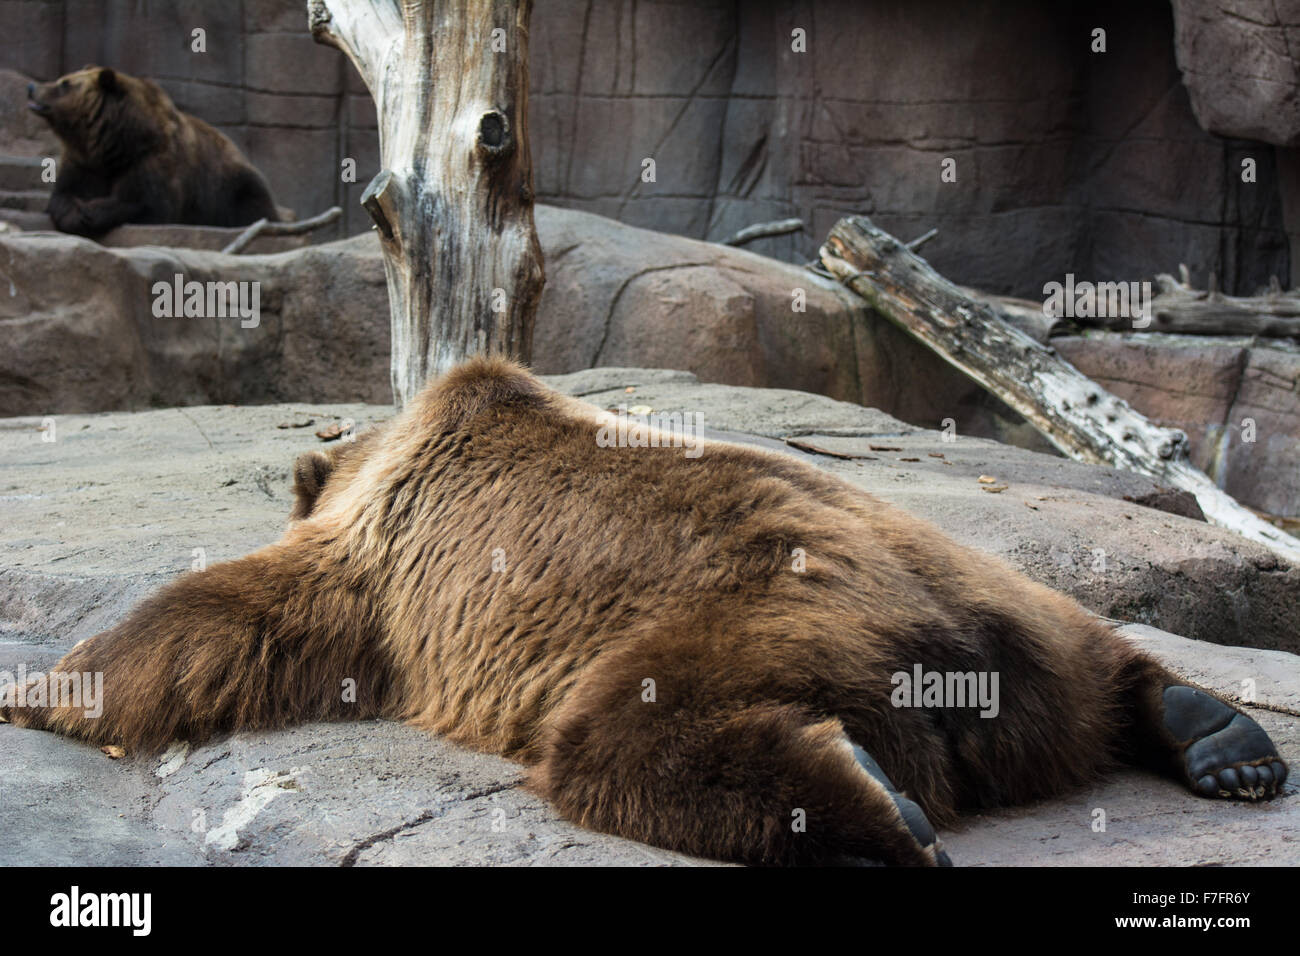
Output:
x,y
371,793
72,806
119,503
1137,818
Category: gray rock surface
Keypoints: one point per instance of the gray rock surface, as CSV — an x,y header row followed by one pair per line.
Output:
x,y
1067,160
22,132
1238,61
119,502
82,316
80,329
1150,820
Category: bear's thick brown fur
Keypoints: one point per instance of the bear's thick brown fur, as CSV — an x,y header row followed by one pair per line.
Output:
x,y
481,568
129,155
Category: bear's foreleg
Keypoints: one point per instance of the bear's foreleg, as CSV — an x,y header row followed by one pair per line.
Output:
x,y
264,641
92,217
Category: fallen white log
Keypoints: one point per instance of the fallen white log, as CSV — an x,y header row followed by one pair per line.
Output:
x,y
1073,412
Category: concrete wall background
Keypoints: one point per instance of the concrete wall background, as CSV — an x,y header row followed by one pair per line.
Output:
x,y
1067,161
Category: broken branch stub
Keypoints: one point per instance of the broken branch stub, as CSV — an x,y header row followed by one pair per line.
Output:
x,y
1074,413
453,201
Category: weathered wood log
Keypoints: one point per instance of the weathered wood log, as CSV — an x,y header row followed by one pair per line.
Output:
x,y
1025,315
264,227
1074,413
453,201
1179,308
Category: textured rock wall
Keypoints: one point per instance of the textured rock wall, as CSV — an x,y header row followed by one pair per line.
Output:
x,y
1238,60
1067,160
1239,63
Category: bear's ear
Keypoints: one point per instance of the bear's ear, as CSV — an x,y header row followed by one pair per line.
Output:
x,y
107,80
310,473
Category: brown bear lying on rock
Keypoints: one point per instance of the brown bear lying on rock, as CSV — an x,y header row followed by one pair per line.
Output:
x,y
702,653
129,155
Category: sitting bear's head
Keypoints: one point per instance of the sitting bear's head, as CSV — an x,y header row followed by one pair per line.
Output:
x,y
102,114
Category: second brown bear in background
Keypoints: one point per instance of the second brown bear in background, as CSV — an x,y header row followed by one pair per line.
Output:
x,y
130,156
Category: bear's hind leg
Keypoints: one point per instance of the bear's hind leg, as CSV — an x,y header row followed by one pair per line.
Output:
x,y
1190,733
249,199
1222,752
763,784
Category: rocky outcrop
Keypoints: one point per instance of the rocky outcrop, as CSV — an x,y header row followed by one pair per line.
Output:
x,y
79,334
1240,63
81,331
82,335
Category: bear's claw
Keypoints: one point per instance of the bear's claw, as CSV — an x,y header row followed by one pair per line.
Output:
x,y
917,823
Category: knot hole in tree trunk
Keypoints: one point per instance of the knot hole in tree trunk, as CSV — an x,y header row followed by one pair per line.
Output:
x,y
494,138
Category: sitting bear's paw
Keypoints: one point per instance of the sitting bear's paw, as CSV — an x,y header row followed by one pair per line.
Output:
x,y
1225,753
913,816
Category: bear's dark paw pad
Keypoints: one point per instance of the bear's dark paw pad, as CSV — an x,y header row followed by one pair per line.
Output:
x,y
917,822
1227,754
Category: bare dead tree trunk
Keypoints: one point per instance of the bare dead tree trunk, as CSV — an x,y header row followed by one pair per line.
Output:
x,y
1072,411
453,201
